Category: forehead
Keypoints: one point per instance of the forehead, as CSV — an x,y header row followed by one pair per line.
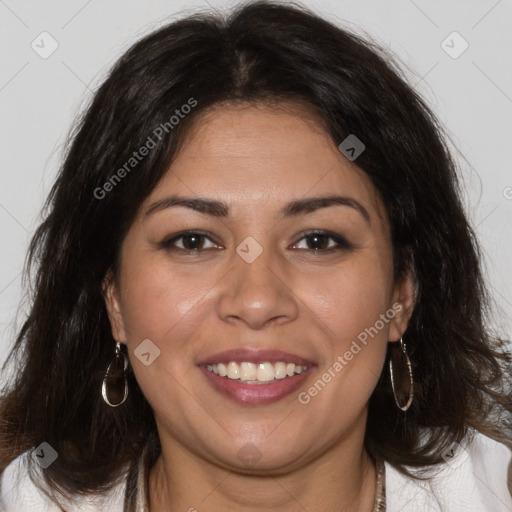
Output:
x,y
247,153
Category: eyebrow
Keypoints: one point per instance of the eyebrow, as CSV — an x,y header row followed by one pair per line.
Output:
x,y
295,208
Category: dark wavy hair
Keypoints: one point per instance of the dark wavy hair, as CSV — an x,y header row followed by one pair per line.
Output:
x,y
261,53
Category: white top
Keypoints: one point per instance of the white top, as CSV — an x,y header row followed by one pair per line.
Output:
x,y
473,480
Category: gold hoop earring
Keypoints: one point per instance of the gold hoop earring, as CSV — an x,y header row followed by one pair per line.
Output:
x,y
115,383
402,397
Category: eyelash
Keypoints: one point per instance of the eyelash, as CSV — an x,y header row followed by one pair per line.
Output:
x,y
342,243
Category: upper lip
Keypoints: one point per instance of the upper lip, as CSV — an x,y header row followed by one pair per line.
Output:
x,y
254,356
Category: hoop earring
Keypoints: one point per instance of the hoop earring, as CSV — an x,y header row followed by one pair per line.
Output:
x,y
116,377
402,378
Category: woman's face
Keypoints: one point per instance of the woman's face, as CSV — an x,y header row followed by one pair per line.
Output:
x,y
269,272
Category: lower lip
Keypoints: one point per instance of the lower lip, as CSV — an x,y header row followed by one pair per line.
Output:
x,y
254,394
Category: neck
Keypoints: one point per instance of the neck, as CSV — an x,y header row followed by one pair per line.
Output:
x,y
341,479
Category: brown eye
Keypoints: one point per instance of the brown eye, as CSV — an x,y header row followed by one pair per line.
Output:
x,y
316,242
322,241
191,241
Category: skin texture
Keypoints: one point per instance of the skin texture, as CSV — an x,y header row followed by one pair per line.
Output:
x,y
312,303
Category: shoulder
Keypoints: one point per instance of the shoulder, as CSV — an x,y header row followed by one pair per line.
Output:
x,y
473,479
18,493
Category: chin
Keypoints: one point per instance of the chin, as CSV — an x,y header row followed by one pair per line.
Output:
x,y
259,458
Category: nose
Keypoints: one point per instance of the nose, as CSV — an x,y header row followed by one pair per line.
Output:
x,y
257,294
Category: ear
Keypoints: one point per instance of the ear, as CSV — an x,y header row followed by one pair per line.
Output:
x,y
113,305
403,301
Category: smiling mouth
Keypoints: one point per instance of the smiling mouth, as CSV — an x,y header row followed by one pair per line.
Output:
x,y
256,373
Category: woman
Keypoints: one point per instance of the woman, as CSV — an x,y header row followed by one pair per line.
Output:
x,y
256,289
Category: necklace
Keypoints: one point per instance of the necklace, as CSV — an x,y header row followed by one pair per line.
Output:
x,y
142,501
379,505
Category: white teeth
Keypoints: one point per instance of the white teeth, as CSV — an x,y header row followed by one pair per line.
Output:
x,y
265,372
256,373
223,371
248,371
280,368
233,370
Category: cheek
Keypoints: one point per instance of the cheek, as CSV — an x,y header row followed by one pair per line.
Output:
x,y
351,303
349,299
157,297
166,307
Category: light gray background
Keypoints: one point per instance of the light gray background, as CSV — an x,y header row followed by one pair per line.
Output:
x,y
39,98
